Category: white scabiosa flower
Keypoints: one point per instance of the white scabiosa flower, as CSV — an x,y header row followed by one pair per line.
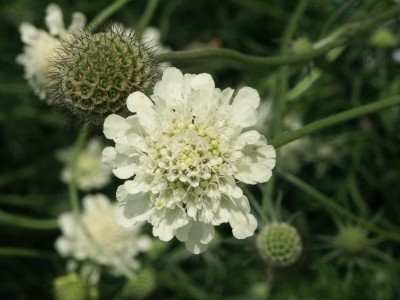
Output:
x,y
103,241
40,46
187,151
90,172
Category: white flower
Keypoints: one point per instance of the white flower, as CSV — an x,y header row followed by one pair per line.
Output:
x,y
103,241
40,46
187,151
90,172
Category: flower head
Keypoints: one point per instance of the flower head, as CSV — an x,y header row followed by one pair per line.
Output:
x,y
90,172
279,244
187,150
103,240
40,46
95,72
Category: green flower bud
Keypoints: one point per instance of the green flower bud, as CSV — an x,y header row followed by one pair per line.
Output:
x,y
72,287
140,286
383,38
302,45
279,244
351,240
95,73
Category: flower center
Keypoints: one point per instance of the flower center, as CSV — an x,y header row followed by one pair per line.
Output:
x,y
187,156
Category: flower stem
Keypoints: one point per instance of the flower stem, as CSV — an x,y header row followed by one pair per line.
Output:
x,y
329,203
24,252
73,192
147,15
106,13
333,120
352,30
24,222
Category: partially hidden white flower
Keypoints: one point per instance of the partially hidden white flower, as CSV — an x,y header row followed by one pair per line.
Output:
x,y
103,241
90,172
187,151
40,46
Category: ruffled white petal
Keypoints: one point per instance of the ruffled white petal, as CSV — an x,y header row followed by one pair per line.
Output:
x,y
244,107
132,208
54,20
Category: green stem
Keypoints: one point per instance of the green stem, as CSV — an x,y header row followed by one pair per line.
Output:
x,y
333,120
106,13
329,203
24,222
353,29
24,252
72,189
147,15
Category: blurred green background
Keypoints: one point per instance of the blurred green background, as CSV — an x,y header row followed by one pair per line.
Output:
x,y
358,168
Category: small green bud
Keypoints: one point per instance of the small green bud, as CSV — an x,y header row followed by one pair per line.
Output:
x,y
141,286
95,73
279,244
72,287
351,240
302,45
383,38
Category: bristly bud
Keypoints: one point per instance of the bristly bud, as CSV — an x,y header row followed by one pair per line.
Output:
x,y
279,244
140,286
73,287
351,240
95,73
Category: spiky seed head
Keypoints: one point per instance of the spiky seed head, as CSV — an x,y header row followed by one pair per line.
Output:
x,y
72,287
279,244
351,240
95,73
141,286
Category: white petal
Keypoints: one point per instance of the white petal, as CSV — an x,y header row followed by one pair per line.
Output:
x,y
226,96
78,21
132,208
141,183
228,187
147,116
199,236
93,203
29,33
54,20
123,166
115,126
244,107
242,222
258,159
170,87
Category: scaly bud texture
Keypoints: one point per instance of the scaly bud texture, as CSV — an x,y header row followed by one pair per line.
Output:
x,y
96,73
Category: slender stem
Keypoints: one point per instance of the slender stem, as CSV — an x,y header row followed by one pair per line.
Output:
x,y
73,192
329,203
106,13
24,252
352,30
333,120
29,223
147,15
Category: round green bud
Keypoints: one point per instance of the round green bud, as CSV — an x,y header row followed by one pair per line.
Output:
x,y
302,45
351,240
383,38
95,73
140,286
279,244
72,287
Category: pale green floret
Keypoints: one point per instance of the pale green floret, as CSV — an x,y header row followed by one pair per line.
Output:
x,y
352,240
